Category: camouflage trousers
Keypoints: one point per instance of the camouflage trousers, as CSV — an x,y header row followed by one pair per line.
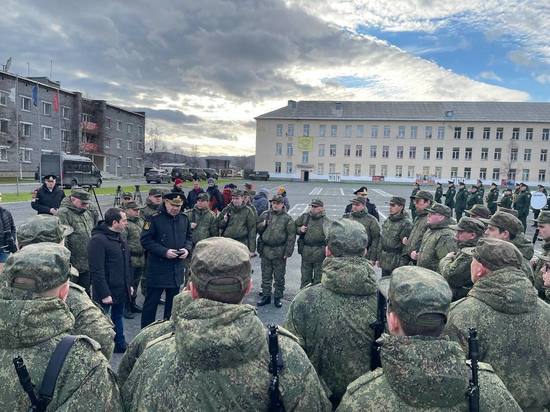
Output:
x,y
311,273
273,272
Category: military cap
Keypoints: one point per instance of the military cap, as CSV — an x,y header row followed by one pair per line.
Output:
x,y
438,183
132,205
397,200
155,191
451,182
237,192
317,202
415,293
203,196
474,187
42,228
347,238
359,200
277,199
38,267
50,178
479,210
173,198
424,194
127,195
469,224
512,212
220,265
494,184
505,221
81,194
524,185
362,189
544,217
439,209
461,184
495,254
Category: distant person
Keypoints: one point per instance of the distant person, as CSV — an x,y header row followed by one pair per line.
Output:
x,y
7,235
194,193
438,193
127,197
412,207
371,207
154,200
422,201
216,202
202,219
461,201
49,197
281,190
260,201
543,287
522,204
492,198
227,193
506,200
450,195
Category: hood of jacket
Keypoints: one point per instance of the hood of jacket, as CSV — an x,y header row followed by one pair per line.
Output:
x,y
506,290
425,371
261,193
212,335
102,228
25,322
349,275
524,246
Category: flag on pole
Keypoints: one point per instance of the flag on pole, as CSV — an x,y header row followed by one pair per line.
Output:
x,y
56,102
35,95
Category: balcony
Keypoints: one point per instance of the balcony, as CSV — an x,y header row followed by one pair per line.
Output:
x,y
92,148
89,127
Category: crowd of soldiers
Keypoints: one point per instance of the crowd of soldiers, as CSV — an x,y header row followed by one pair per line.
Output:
x,y
387,317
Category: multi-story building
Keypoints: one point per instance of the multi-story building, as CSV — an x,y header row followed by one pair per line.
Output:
x,y
406,141
38,116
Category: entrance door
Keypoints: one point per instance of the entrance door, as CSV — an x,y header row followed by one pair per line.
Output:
x,y
306,175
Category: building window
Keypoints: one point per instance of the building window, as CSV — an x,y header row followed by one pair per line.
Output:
x,y
439,153
321,150
515,133
387,131
543,155
85,117
384,170
278,149
4,96
4,125
107,142
322,130
320,169
46,108
438,171
360,130
428,132
140,131
525,174
467,173
385,152
410,171
306,130
25,103
332,168
483,173
399,153
468,153
289,149
414,132
128,162
66,114
512,174
456,153
347,150
412,152
458,131
118,143
25,129
542,175
500,133
514,154
454,172
305,157
399,171
470,133
426,171
545,134
358,150
426,153
129,145
357,170
25,154
529,133
108,123
374,132
441,132
484,153
118,125
496,173
486,133
290,130
279,130
288,167
345,170
332,150
3,154
373,151
498,153
527,155
46,133
333,130
372,170
348,130
401,132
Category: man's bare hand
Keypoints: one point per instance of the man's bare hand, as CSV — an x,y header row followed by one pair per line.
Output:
x,y
183,253
171,254
414,255
193,225
108,300
405,241
303,228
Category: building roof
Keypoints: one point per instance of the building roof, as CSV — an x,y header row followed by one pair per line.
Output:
x,y
414,111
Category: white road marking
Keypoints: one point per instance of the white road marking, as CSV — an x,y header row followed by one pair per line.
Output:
x,y
294,207
382,214
316,191
313,191
382,193
342,191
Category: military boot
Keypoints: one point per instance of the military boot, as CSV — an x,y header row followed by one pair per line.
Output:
x,y
277,302
265,300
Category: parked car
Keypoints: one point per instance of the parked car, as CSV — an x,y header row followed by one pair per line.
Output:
x,y
157,176
257,175
183,173
198,173
211,173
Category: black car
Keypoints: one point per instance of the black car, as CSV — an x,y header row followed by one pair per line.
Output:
x,y
211,173
183,173
157,176
198,173
259,175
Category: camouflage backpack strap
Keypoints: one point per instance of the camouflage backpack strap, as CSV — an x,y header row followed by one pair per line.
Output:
x,y
159,339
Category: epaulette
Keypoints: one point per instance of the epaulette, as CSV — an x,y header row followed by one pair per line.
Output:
x,y
159,339
77,287
284,332
364,380
89,341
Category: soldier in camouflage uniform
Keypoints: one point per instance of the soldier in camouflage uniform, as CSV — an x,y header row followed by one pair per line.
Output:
x,y
439,239
411,201
395,228
438,193
422,201
421,370
153,202
522,204
311,230
360,214
275,245
332,319
506,200
461,201
473,198
450,195
75,212
543,223
33,320
137,254
511,321
492,198
203,220
455,267
478,211
126,198
217,344
237,221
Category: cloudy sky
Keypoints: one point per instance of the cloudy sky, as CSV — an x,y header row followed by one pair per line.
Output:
x,y
204,69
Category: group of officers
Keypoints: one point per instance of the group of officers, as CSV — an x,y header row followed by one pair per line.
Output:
x,y
439,279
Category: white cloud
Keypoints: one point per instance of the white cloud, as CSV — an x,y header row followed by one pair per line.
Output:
x,y
490,75
543,78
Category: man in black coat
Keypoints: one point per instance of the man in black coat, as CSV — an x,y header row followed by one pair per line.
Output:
x,y
49,197
166,237
371,207
109,262
193,193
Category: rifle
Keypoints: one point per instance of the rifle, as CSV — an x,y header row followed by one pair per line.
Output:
x,y
302,235
378,328
228,214
275,366
473,355
25,381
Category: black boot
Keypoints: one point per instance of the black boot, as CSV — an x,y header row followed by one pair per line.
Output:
x,y
127,312
277,303
134,307
265,300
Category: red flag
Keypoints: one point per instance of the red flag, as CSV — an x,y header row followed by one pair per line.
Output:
x,y
56,102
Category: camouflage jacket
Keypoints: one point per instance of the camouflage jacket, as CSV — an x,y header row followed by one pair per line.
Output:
x,y
474,199
207,226
332,321
522,203
149,209
506,201
133,235
456,270
314,240
544,292
461,200
217,359
373,231
82,221
241,225
424,373
394,229
32,329
527,251
450,197
420,226
278,238
438,240
512,325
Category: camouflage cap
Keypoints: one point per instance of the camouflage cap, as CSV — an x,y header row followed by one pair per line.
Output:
x,y
544,217
155,191
512,212
42,228
347,238
505,221
439,209
398,201
237,192
38,267
469,224
173,198
220,265
317,202
495,254
415,293
479,210
359,200
132,205
424,194
277,199
127,194
203,196
81,194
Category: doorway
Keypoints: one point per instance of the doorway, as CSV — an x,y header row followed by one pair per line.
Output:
x,y
305,177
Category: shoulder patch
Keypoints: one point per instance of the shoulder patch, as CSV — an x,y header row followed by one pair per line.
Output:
x,y
159,339
282,331
94,344
146,225
77,287
364,380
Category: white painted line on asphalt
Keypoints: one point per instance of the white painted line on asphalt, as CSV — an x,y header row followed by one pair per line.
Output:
x,y
342,191
296,206
315,191
320,190
382,193
382,214
305,209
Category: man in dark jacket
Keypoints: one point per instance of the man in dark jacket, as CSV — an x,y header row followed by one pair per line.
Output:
x,y
193,193
371,207
438,193
109,262
450,195
461,200
260,201
216,199
48,197
7,235
167,239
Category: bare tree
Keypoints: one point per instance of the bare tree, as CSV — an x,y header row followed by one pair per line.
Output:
x,y
194,160
509,160
156,146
